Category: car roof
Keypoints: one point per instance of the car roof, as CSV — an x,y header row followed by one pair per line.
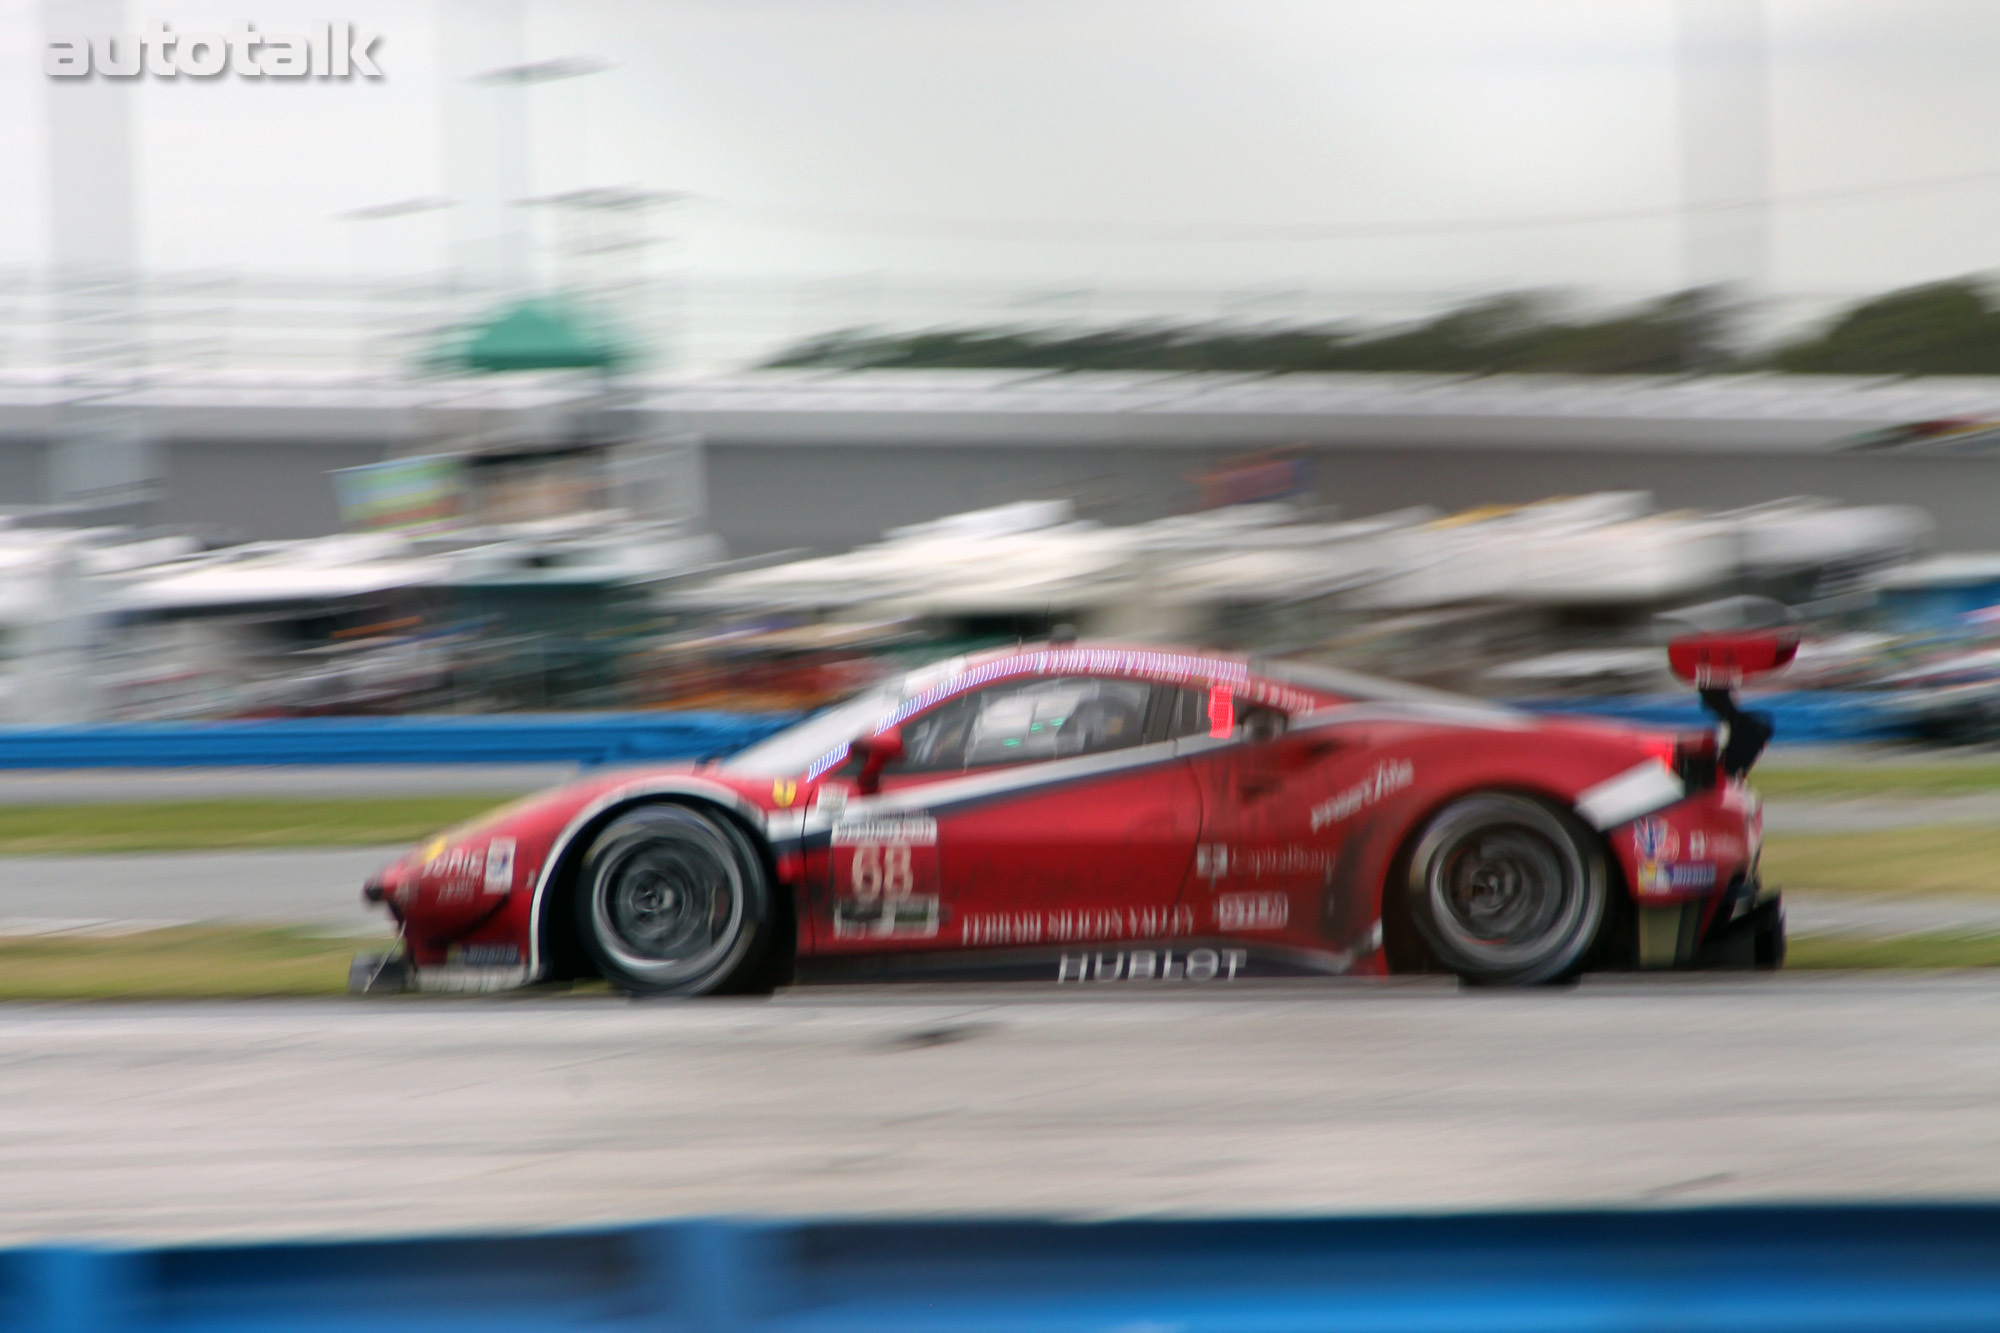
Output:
x,y
1293,686
1191,667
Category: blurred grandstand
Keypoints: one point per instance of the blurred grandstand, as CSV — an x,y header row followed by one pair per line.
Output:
x,y
464,503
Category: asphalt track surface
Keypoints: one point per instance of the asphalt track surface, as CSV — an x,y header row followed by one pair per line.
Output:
x,y
403,1115
320,889
317,888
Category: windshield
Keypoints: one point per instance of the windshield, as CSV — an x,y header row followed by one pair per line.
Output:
x,y
793,749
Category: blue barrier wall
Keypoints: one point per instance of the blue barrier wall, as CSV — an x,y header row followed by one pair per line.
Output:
x,y
505,738
1803,717
1772,1269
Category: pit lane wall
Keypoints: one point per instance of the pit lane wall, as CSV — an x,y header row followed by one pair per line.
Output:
x,y
504,738
1742,1268
1803,717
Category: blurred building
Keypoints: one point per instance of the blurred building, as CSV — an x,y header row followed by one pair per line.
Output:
x,y
827,460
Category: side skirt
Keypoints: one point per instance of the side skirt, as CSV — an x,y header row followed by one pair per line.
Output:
x,y
1135,963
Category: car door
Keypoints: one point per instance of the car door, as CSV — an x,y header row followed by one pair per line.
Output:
x,y
1280,812
1032,812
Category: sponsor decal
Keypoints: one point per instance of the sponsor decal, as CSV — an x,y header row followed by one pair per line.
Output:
x,y
1656,840
1196,965
910,830
908,915
783,792
458,871
1673,861
1291,859
500,865
1214,860
1675,876
1389,777
457,863
1252,911
1106,923
1662,867
484,955
1707,845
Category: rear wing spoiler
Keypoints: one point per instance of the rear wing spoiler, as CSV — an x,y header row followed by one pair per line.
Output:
x,y
1716,665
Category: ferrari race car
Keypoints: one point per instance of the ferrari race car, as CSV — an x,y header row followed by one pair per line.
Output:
x,y
1109,815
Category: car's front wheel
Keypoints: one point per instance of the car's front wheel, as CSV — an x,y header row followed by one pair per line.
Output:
x,y
1506,890
673,901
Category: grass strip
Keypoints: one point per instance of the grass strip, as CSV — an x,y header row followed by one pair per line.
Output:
x,y
181,963
1948,859
1921,952
178,826
1834,781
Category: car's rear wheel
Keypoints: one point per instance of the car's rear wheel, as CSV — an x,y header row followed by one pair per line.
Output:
x,y
1506,890
1768,949
673,901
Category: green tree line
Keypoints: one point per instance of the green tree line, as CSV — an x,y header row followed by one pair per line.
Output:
x,y
1946,328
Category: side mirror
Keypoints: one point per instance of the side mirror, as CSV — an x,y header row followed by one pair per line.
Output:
x,y
1724,661
876,752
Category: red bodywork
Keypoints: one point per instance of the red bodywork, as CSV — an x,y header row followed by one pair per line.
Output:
x,y
1207,855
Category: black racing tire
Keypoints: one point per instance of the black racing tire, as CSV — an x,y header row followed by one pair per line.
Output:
x,y
673,901
1506,890
1768,944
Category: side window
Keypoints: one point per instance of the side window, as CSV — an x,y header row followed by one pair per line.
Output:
x,y
1190,714
1023,721
1246,721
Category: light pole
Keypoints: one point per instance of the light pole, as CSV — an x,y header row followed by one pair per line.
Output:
x,y
606,233
399,208
513,146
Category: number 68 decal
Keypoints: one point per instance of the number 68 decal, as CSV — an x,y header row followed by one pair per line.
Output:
x,y
885,860
886,879
881,872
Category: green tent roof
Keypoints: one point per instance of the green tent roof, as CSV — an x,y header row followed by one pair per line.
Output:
x,y
540,333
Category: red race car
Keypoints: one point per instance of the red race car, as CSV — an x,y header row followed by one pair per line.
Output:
x,y
1111,815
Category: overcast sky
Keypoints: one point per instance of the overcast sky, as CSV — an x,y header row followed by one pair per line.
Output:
x,y
1164,142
